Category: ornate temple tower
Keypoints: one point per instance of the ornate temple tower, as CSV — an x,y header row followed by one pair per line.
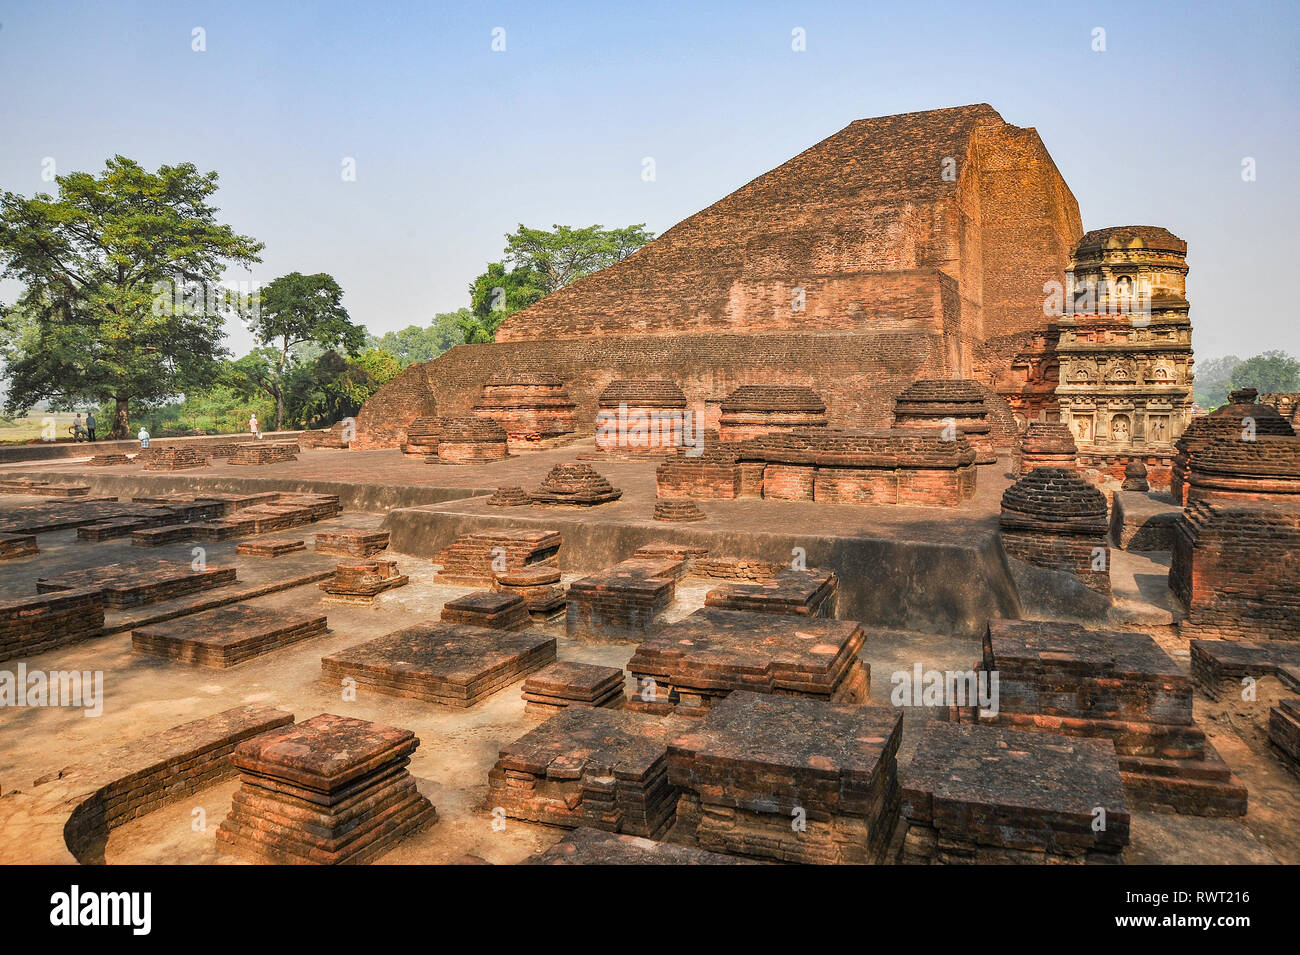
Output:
x,y
1125,349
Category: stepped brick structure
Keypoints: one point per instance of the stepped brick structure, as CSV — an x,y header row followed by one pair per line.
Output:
x,y
140,583
1124,349
983,794
1220,666
1284,732
538,585
1045,444
509,497
422,437
638,416
804,593
270,546
596,767
567,684
43,488
451,664
360,582
471,441
1054,518
902,247
595,847
686,554
574,485
255,453
533,408
1265,468
1241,419
13,546
227,636
494,610
111,459
678,512
621,603
32,625
175,459
1233,567
329,790
690,665
1286,405
756,765
1062,678
754,410
350,542
704,474
935,403
478,557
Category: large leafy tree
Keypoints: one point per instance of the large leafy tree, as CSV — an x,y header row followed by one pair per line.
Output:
x,y
295,310
1269,373
415,344
120,299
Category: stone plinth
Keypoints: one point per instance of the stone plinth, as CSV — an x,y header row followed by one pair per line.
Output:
x,y
227,636
585,846
688,666
789,780
602,768
1219,667
360,582
621,603
1140,522
678,512
350,542
330,790
1062,678
139,583
539,586
509,497
422,437
1054,518
805,593
1265,468
640,416
470,441
451,664
1045,444
13,546
1233,567
532,408
565,684
479,557
257,452
753,410
1242,416
494,610
574,485
993,795
32,625
948,403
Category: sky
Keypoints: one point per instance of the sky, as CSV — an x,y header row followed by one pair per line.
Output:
x,y
454,143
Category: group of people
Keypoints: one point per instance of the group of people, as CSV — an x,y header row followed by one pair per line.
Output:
x,y
86,431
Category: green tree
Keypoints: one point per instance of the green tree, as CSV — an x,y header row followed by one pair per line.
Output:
x,y
334,387
1268,373
496,295
414,344
120,298
293,310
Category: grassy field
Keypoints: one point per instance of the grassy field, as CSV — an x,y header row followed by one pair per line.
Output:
x,y
34,428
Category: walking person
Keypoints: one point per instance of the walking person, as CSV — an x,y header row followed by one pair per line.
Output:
x,y
252,425
91,423
77,429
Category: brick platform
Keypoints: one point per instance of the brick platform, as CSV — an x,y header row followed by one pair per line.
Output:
x,y
227,636
533,408
993,795
564,684
805,593
688,666
1264,469
509,497
271,547
687,554
256,453
455,665
327,791
477,558
361,582
1063,678
1140,522
13,546
422,437
574,485
540,588
621,603
603,768
934,402
586,846
1233,566
32,625
109,460
707,474
678,512
1284,732
1054,518
44,488
175,459
788,780
1045,444
639,416
1219,666
139,583
753,410
351,542
1232,421
485,608
470,441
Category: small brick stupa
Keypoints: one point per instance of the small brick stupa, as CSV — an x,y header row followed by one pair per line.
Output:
x,y
471,441
1264,469
640,416
1241,416
532,408
1135,477
576,485
752,410
1053,518
942,402
1045,444
678,512
422,437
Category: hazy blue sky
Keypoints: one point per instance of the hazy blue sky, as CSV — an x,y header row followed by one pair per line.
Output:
x,y
455,144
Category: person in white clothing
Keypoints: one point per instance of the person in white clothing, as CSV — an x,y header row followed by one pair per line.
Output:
x,y
144,438
252,425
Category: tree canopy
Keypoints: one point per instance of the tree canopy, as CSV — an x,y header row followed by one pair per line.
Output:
x,y
418,344
1268,373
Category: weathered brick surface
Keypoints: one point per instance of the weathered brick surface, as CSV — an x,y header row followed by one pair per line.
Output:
x,y
509,497
111,459
43,488
585,846
351,542
574,485
359,582
1265,468
538,585
533,408
1284,732
638,416
1239,417
1054,518
271,546
31,625
175,458
805,593
140,582
478,557
227,636
17,545
940,402
1220,666
678,512
422,437
621,603
256,452
470,441
496,610
566,683
754,410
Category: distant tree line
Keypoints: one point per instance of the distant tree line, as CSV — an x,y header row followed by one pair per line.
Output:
x,y
1270,372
